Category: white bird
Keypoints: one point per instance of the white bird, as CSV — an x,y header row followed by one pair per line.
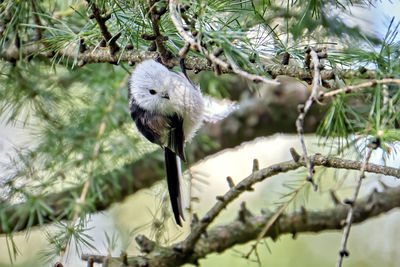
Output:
x,y
168,110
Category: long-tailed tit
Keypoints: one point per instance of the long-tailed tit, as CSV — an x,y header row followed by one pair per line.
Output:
x,y
167,110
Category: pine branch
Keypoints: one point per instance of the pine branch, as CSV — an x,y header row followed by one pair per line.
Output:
x,y
223,237
100,55
95,154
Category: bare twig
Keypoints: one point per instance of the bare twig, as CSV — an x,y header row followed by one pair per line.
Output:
x,y
176,20
349,89
184,50
303,112
94,258
349,219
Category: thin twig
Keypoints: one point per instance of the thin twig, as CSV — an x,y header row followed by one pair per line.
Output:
x,y
303,112
176,20
273,218
95,154
349,89
349,220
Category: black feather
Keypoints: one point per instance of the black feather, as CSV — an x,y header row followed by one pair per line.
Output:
x,y
176,137
173,170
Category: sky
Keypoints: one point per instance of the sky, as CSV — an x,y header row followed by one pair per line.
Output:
x,y
377,19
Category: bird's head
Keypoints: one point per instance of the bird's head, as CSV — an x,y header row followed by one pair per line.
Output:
x,y
151,87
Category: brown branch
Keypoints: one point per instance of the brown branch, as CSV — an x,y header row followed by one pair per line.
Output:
x,y
247,183
306,107
223,237
285,58
100,55
101,21
352,88
349,219
159,39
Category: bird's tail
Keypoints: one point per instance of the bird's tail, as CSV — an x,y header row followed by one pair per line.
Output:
x,y
174,180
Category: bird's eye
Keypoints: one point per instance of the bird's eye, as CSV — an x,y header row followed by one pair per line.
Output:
x,y
153,92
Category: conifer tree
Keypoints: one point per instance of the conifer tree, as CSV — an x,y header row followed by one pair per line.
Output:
x,y
64,70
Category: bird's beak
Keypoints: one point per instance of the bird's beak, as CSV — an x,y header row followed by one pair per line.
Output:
x,y
165,95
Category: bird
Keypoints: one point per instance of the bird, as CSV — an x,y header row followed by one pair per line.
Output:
x,y
168,110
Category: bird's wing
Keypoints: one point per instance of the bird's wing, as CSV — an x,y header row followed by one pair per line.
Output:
x,y
153,127
176,137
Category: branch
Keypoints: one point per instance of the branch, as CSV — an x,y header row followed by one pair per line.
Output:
x,y
101,21
223,237
350,214
311,54
159,39
258,176
101,55
349,89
